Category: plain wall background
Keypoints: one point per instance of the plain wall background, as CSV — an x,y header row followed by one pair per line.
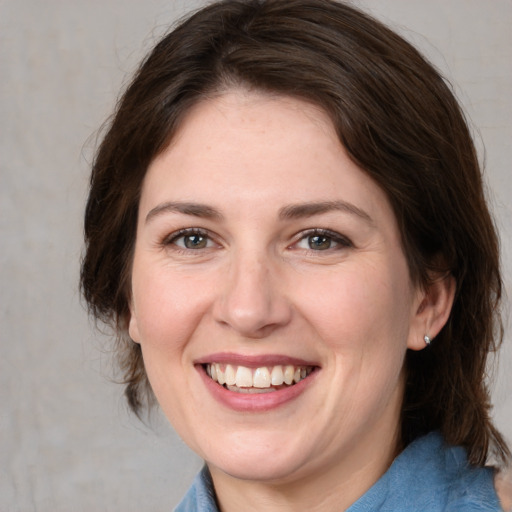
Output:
x,y
67,442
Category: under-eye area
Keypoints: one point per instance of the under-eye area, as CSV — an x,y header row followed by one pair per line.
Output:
x,y
242,379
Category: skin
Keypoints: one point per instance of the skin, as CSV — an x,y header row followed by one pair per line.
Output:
x,y
257,285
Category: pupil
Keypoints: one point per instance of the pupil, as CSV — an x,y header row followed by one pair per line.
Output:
x,y
195,242
319,242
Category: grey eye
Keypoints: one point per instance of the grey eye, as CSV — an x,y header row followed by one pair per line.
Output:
x,y
322,240
193,241
319,242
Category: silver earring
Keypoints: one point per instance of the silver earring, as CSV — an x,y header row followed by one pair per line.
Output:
x,y
427,339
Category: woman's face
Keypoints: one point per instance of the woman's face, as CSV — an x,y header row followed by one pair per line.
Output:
x,y
265,256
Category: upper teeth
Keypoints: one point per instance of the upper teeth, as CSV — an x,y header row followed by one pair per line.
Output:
x,y
263,377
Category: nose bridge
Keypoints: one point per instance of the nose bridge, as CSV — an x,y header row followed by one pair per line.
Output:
x,y
251,302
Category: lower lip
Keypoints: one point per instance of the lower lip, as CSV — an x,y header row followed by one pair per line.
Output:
x,y
255,402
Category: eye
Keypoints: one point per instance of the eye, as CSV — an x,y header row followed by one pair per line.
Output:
x,y
322,240
319,242
193,239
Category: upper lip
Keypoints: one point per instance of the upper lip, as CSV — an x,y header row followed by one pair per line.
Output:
x,y
253,361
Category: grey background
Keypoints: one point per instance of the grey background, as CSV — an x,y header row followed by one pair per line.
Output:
x,y
67,441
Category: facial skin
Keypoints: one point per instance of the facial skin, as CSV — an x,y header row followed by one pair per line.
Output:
x,y
263,278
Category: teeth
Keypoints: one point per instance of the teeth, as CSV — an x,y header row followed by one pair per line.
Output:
x,y
221,376
277,377
288,374
251,391
230,375
261,378
243,379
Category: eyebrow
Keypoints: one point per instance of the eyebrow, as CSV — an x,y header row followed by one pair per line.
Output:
x,y
297,211
194,209
292,211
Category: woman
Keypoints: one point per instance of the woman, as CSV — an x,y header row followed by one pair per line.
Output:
x,y
286,225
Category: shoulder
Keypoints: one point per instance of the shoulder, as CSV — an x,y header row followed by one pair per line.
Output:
x,y
468,487
503,484
430,475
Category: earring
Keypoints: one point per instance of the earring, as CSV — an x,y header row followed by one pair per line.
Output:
x,y
427,339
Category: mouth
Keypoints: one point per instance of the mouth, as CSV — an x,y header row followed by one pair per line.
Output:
x,y
264,379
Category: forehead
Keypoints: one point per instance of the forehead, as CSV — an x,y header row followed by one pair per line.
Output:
x,y
261,149
251,117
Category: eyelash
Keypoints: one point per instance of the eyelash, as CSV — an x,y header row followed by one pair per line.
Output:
x,y
341,242
183,233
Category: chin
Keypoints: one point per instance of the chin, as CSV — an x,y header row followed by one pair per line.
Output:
x,y
261,469
257,457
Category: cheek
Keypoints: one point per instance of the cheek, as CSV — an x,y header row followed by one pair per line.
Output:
x,y
358,308
362,318
167,309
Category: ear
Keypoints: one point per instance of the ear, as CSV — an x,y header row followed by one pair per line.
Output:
x,y
133,328
433,310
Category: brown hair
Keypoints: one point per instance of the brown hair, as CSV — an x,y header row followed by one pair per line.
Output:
x,y
400,123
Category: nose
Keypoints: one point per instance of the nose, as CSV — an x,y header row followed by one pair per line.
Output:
x,y
251,301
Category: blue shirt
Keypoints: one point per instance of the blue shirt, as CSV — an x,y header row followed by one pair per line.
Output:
x,y
428,476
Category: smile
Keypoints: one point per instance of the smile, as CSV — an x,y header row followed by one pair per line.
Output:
x,y
265,379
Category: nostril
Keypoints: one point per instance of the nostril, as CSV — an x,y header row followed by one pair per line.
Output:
x,y
253,317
